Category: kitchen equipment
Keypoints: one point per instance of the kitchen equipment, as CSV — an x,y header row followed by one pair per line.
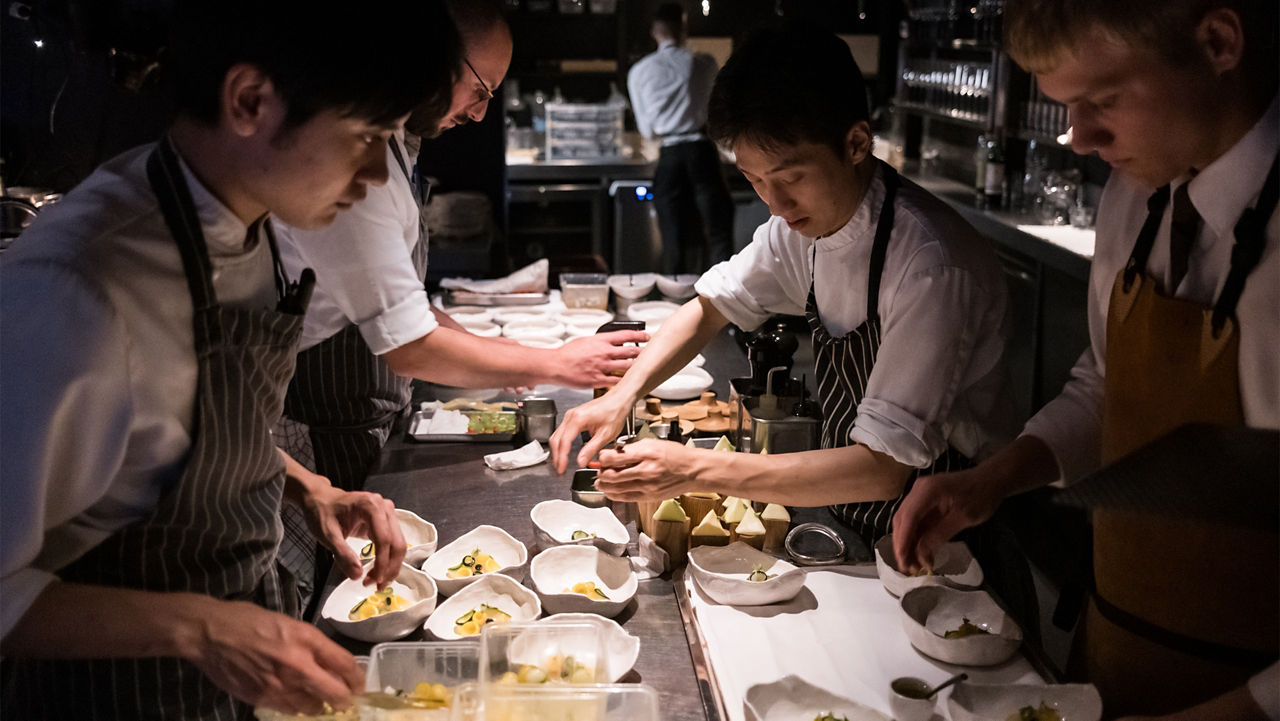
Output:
x,y
609,328
536,419
584,290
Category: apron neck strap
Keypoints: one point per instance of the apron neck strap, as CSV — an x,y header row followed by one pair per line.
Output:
x,y
880,246
164,172
1156,204
399,155
1250,232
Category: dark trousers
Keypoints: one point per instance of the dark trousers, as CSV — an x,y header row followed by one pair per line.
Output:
x,y
692,200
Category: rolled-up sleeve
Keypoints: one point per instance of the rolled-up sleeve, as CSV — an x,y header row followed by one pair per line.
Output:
x,y
926,358
66,397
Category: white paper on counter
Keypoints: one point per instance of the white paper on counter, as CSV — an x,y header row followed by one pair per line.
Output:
x,y
843,632
530,454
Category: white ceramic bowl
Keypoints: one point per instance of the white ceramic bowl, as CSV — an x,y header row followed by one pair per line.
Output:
x,y
419,536
652,311
539,341
678,287
412,584
979,702
635,285
591,318
621,648
791,698
469,313
555,521
953,565
574,332
505,549
482,328
928,612
721,572
689,382
540,327
505,315
501,592
558,568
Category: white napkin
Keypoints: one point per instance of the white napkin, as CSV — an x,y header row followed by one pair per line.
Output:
x,y
530,279
648,560
448,423
524,456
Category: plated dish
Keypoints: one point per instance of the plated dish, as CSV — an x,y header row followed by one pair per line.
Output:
x,y
1004,702
731,575
791,698
559,523
495,591
448,566
582,579
419,537
953,565
966,628
395,613
621,649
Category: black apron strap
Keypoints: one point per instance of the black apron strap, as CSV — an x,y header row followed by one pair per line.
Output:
x,y
399,156
1250,232
880,246
1156,204
165,173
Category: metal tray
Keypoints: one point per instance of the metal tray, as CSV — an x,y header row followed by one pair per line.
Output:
x,y
466,297
418,425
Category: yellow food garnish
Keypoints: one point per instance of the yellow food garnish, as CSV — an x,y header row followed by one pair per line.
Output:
x,y
565,669
470,623
588,589
384,601
1031,713
966,629
474,564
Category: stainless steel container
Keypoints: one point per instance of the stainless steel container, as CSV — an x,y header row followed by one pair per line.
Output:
x,y
536,418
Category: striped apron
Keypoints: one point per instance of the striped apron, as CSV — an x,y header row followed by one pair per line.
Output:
x,y
843,366
347,396
215,531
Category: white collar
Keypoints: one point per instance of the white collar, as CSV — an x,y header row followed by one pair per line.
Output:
x,y
667,44
1229,184
224,233
864,220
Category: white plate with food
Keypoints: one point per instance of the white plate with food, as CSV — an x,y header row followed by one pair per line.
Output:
x,y
621,649
967,628
739,575
791,698
476,553
1016,702
490,599
953,565
560,523
582,579
375,615
419,537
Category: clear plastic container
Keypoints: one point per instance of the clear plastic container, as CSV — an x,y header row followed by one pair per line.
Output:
x,y
584,290
422,671
603,702
546,653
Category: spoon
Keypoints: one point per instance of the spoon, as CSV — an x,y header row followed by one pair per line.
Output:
x,y
915,688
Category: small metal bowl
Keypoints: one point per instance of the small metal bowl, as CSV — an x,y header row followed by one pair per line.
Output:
x,y
813,559
584,490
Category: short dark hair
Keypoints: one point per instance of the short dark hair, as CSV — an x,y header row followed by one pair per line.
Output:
x,y
671,17
319,54
475,18
788,84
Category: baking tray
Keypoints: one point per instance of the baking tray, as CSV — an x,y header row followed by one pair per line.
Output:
x,y
466,297
420,420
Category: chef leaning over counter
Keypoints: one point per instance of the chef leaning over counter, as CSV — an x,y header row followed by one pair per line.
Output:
x,y
371,327
1184,319
906,302
158,331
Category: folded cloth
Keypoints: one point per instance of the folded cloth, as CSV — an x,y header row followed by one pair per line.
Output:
x,y
648,560
530,279
524,456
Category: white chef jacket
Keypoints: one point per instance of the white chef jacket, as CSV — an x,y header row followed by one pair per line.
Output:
x,y
669,90
98,383
364,272
1071,424
940,375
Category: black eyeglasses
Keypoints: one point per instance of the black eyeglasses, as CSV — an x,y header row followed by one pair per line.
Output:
x,y
488,94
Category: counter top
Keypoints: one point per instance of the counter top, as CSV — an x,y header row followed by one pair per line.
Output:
x,y
1065,248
